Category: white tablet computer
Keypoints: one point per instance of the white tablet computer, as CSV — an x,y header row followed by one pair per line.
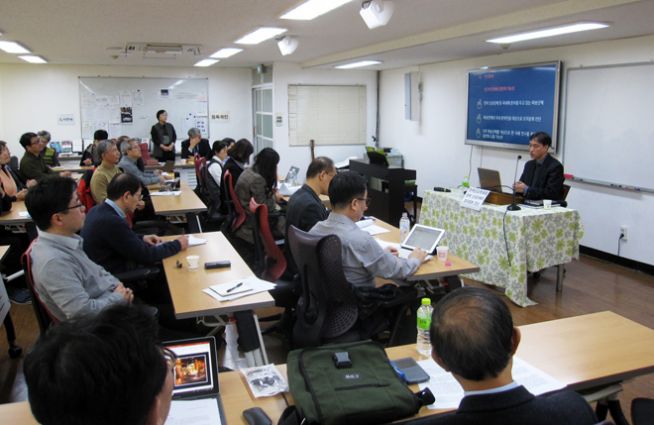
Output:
x,y
424,237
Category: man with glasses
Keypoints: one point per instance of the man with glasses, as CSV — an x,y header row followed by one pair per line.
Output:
x,y
363,258
542,177
131,152
66,279
117,347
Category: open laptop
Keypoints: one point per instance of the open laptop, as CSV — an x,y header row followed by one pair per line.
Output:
x,y
196,370
489,179
424,237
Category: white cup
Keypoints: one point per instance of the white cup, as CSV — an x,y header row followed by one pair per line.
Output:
x,y
547,204
441,253
193,261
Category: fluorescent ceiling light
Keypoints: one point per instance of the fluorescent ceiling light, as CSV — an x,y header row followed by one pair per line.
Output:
x,y
206,62
259,35
549,32
226,52
33,59
376,13
359,64
13,47
287,45
311,9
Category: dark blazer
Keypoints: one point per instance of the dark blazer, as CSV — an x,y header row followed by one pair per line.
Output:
x,y
202,148
157,134
305,209
109,242
518,407
545,180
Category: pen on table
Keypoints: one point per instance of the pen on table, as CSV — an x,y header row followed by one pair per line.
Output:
x,y
238,285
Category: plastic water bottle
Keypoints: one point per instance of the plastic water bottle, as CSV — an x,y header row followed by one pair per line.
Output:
x,y
405,226
423,343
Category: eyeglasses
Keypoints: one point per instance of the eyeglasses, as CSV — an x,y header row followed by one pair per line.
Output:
x,y
80,205
367,200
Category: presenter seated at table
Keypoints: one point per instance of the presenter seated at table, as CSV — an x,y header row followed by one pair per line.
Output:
x,y
32,165
66,279
542,177
473,337
129,163
107,169
260,182
50,155
195,145
118,347
363,258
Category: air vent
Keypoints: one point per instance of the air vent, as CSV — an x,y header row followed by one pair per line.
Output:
x,y
162,50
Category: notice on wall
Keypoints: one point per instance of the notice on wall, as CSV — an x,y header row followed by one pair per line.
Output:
x,y
66,119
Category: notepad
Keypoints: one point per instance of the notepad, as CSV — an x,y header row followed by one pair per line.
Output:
x,y
253,284
194,240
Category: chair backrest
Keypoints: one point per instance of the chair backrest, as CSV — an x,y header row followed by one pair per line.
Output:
x,y
273,259
237,210
199,162
84,190
327,307
13,163
145,153
564,192
43,315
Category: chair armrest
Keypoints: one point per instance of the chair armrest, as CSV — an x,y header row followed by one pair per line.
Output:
x,y
138,274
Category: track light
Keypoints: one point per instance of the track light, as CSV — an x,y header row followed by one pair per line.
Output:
x,y
376,13
287,45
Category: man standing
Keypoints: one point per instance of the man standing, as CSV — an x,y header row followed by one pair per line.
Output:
x,y
108,239
106,170
305,208
363,258
542,177
131,151
473,338
163,138
66,279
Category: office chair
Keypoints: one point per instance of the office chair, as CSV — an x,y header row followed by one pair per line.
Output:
x,y
642,411
237,212
209,193
564,192
270,259
44,317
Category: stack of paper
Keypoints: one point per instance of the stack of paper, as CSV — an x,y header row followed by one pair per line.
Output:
x,y
194,240
194,412
171,193
238,288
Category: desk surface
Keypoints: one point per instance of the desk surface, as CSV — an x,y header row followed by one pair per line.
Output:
x,y
186,202
13,217
186,285
3,250
581,351
432,269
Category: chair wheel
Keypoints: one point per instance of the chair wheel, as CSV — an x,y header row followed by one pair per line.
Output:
x,y
15,352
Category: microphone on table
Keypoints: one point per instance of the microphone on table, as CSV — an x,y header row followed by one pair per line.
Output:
x,y
514,206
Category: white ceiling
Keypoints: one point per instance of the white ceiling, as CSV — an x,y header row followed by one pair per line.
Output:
x,y
94,32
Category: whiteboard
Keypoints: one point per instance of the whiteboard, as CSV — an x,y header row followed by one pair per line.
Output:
x,y
128,106
330,115
609,125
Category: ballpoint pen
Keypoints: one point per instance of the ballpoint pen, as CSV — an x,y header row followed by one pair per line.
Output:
x,y
238,285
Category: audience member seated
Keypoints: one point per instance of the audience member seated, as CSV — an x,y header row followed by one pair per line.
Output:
x,y
229,142
65,278
260,182
11,183
363,258
473,338
131,153
111,243
49,155
195,145
90,156
217,162
107,169
305,208
239,156
32,165
542,177
117,347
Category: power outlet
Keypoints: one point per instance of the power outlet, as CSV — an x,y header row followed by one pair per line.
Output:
x,y
623,232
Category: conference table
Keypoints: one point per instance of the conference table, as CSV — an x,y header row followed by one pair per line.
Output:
x,y
186,203
582,352
505,245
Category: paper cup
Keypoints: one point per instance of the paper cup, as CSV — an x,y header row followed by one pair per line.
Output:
x,y
193,261
547,203
441,253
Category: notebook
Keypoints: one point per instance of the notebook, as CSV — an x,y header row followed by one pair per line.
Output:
x,y
196,373
489,179
424,237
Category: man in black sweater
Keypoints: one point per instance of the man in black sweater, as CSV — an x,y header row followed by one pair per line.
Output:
x,y
108,238
473,338
542,177
305,208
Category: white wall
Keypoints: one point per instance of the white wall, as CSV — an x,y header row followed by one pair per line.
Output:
x,y
300,156
435,145
32,97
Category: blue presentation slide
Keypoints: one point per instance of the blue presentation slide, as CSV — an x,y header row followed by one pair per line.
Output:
x,y
506,105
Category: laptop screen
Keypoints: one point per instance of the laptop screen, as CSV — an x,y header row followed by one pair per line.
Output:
x,y
196,369
424,237
489,179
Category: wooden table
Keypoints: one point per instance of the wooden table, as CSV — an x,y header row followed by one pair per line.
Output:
x,y
187,203
432,269
14,216
582,352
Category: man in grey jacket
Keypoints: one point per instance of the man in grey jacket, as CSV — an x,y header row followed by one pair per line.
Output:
x,y
67,281
131,152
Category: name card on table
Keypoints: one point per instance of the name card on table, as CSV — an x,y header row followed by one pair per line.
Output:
x,y
474,198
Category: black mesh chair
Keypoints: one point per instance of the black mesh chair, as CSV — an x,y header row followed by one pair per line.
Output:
x,y
642,411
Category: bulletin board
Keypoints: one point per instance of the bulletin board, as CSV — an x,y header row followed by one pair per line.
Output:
x,y
128,106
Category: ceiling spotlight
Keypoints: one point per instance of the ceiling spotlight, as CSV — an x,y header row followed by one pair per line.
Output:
x,y
376,13
287,45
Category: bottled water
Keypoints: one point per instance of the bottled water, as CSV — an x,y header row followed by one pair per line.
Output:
x,y
423,343
405,226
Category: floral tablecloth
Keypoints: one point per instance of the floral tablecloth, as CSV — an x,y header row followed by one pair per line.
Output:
x,y
536,239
